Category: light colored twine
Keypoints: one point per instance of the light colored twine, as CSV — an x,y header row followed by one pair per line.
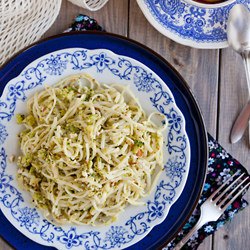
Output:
x,y
90,4
23,22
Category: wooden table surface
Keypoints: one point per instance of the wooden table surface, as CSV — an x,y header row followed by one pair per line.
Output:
x,y
216,78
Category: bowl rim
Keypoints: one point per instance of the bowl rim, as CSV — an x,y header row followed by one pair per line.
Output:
x,y
210,5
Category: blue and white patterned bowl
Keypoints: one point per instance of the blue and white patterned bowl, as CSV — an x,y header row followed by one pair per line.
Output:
x,y
106,67
191,23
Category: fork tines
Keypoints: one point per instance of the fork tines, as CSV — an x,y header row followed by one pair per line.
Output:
x,y
228,192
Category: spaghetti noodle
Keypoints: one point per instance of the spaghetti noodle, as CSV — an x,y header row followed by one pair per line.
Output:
x,y
86,153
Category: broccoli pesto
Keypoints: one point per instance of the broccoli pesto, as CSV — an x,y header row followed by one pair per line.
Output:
x,y
86,153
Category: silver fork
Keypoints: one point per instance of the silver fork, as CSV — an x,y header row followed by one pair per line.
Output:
x,y
211,211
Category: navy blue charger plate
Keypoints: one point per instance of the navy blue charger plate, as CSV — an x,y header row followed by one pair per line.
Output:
x,y
184,206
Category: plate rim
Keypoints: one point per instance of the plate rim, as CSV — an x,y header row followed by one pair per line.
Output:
x,y
144,47
140,94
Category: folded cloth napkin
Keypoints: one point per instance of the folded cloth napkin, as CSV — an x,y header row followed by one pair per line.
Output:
x,y
221,166
83,22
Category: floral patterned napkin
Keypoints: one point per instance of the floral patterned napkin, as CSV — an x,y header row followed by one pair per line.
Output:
x,y
83,22
221,166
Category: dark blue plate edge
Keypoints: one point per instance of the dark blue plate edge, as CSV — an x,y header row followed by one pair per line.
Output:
x,y
202,138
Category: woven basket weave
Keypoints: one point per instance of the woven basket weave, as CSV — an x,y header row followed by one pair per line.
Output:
x,y
23,22
90,4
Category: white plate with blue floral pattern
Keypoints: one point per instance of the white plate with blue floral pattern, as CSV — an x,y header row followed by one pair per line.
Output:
x,y
106,67
190,23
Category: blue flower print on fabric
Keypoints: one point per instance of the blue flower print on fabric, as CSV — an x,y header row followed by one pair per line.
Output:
x,y
79,18
218,168
207,186
83,22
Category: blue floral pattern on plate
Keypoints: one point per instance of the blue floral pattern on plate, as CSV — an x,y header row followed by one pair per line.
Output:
x,y
196,25
149,88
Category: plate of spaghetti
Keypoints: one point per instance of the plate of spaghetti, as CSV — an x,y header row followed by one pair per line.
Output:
x,y
95,150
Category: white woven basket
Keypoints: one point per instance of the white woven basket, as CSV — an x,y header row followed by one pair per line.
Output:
x,y
23,22
90,4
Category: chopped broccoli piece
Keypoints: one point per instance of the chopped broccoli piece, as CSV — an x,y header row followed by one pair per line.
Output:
x,y
25,132
70,95
19,118
155,135
137,146
74,129
62,112
38,197
91,119
32,170
30,120
25,160
138,143
89,94
34,181
42,153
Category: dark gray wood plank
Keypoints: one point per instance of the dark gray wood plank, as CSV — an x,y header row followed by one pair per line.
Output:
x,y
233,96
198,67
4,245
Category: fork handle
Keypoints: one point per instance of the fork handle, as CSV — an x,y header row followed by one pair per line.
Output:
x,y
202,220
